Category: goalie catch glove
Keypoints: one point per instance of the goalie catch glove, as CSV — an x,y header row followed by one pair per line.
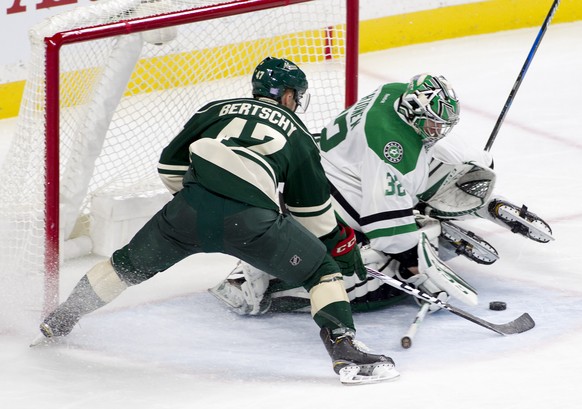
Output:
x,y
456,190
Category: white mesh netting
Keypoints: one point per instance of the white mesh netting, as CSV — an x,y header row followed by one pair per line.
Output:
x,y
123,98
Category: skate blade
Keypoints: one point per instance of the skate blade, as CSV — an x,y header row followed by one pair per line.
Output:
x,y
42,341
350,375
538,230
467,244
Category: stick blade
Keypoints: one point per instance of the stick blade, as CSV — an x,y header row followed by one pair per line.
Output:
x,y
521,324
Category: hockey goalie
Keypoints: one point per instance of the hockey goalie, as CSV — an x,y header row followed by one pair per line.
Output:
x,y
401,195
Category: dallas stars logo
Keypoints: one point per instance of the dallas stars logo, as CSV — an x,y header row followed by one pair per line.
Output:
x,y
393,152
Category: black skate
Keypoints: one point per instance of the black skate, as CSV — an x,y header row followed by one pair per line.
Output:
x,y
455,240
61,321
521,221
58,324
353,364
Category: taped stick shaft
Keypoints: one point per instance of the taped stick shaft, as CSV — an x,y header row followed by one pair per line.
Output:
x,y
406,340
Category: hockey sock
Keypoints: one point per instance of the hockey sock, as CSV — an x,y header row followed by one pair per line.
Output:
x,y
330,306
95,289
82,300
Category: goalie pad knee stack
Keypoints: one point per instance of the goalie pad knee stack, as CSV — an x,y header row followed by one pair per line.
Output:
x,y
437,278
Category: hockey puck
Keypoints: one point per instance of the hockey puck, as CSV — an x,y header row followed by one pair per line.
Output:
x,y
497,305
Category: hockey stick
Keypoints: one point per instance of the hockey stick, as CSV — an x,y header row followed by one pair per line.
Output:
x,y
521,324
406,340
519,79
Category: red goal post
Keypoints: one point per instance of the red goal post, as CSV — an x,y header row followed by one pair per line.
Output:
x,y
113,82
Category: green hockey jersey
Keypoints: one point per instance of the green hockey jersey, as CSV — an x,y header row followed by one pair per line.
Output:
x,y
244,149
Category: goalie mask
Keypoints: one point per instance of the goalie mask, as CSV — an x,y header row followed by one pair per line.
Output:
x,y
429,105
275,75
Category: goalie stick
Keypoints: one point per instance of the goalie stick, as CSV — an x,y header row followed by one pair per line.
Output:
x,y
519,79
521,324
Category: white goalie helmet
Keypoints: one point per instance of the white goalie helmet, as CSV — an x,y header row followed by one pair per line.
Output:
x,y
429,105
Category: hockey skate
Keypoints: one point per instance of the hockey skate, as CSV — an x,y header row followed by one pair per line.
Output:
x,y
455,240
353,364
521,221
58,324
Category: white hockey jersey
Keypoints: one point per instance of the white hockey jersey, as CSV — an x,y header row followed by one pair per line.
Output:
x,y
376,165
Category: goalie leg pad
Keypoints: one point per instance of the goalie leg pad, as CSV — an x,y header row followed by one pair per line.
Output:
x,y
443,276
437,278
254,288
244,290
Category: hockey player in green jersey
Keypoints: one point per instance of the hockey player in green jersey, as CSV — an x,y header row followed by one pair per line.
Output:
x,y
231,157
391,182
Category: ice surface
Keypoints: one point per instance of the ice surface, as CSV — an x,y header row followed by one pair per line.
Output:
x,y
169,344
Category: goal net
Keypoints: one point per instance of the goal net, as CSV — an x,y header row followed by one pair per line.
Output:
x,y
109,85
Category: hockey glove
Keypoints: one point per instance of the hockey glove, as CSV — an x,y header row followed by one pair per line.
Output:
x,y
346,253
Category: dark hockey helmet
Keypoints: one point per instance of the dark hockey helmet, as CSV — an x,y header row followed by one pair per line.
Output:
x,y
274,75
429,105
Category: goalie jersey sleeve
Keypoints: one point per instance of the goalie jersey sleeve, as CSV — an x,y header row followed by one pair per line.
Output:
x,y
244,149
376,165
